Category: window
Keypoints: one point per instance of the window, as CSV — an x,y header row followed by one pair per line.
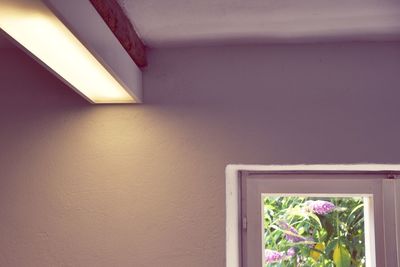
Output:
x,y
316,229
313,218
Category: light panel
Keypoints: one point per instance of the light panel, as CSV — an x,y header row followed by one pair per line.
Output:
x,y
32,24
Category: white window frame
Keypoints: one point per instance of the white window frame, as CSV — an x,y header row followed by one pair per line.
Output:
x,y
390,192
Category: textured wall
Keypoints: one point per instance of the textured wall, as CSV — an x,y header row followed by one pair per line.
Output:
x,y
143,186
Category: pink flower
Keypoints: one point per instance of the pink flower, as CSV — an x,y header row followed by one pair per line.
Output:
x,y
294,237
291,252
320,207
273,256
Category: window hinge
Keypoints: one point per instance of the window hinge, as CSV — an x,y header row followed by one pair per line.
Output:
x,y
244,223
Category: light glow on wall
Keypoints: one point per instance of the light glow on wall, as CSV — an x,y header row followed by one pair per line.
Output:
x,y
32,24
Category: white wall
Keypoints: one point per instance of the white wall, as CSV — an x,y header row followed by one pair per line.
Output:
x,y
84,185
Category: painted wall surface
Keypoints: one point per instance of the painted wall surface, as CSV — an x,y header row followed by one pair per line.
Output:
x,y
143,185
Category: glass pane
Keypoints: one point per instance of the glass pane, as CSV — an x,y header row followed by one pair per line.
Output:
x,y
313,231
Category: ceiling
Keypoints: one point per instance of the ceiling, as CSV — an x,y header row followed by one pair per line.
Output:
x,y
200,22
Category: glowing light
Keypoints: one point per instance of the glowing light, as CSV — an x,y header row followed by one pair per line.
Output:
x,y
37,29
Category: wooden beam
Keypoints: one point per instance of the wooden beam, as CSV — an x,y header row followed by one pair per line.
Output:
x,y
114,16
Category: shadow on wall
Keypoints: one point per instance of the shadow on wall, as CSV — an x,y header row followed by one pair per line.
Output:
x,y
24,82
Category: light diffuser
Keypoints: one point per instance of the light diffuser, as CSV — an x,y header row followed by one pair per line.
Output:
x,y
34,26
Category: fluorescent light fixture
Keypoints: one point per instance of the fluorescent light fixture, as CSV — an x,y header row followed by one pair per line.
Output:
x,y
34,26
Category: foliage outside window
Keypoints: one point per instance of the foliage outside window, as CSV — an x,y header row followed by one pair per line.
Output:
x,y
311,231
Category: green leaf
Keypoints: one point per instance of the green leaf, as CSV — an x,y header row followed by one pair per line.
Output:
x,y
341,257
292,234
331,246
303,213
358,210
